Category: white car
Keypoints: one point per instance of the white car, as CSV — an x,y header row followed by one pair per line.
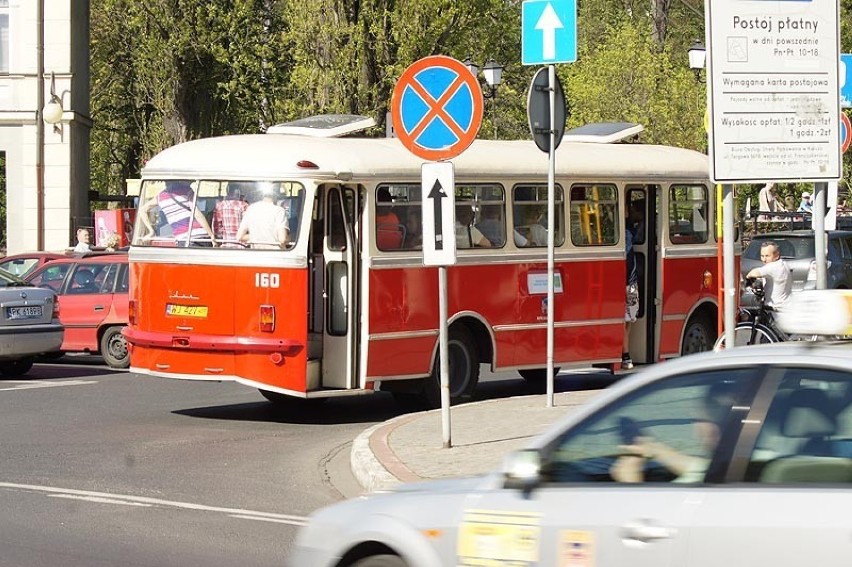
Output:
x,y
742,457
29,324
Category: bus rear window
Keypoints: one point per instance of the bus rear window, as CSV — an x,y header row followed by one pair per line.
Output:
x,y
207,213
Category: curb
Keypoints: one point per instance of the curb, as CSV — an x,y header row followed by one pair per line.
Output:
x,y
371,457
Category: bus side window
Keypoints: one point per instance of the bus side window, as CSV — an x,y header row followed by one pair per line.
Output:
x,y
530,216
688,214
594,215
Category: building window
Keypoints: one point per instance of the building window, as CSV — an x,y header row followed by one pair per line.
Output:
x,y
4,36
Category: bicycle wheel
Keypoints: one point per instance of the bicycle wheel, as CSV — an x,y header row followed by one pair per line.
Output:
x,y
743,334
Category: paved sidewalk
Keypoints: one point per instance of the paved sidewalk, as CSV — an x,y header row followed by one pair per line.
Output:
x,y
409,448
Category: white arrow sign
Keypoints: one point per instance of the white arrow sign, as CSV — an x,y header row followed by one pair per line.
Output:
x,y
548,23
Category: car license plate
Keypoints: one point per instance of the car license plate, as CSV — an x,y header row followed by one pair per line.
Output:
x,y
186,310
14,313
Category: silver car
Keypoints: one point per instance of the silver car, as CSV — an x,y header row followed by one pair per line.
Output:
x,y
29,324
736,458
797,248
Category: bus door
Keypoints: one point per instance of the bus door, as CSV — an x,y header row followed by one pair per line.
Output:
x,y
340,293
645,246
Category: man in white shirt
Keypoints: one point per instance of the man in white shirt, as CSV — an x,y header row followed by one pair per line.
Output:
x,y
778,283
82,241
264,223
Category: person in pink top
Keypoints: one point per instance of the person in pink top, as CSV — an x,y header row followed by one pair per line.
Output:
x,y
176,204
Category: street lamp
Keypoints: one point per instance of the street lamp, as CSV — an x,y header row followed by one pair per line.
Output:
x,y
52,111
697,57
492,71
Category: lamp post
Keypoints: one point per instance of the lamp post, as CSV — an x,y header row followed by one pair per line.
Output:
x,y
493,73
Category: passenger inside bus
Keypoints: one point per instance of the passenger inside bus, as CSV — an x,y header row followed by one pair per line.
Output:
x,y
491,223
530,228
413,230
264,223
467,235
175,202
390,233
228,214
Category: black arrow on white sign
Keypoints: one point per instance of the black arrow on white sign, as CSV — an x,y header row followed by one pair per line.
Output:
x,y
436,194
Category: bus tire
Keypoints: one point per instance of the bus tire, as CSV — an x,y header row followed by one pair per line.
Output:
x,y
698,336
380,561
16,367
464,369
742,336
114,348
536,375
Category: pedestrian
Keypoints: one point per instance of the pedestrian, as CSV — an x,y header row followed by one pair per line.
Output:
x,y
769,203
805,205
633,224
82,241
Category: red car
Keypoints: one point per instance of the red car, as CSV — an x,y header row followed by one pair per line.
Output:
x,y
24,264
93,302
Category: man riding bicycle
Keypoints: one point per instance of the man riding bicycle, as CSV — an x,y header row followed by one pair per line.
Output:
x,y
778,284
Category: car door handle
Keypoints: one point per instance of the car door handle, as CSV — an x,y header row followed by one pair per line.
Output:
x,y
644,531
99,307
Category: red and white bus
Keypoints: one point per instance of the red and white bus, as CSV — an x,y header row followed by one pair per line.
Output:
x,y
345,305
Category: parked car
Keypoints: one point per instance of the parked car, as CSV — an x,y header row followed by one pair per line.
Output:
x,y
24,264
29,324
798,250
742,457
93,299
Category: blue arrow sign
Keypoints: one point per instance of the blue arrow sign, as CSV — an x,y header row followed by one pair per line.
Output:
x,y
548,32
845,79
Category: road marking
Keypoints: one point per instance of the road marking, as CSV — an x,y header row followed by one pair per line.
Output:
x,y
126,499
33,384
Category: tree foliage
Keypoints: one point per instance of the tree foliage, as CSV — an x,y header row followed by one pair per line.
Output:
x,y
165,71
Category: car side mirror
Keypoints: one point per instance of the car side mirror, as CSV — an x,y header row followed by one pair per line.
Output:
x,y
522,469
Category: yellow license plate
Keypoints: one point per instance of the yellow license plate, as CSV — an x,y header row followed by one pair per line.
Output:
x,y
186,310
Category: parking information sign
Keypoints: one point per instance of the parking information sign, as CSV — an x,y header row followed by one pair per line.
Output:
x,y
773,90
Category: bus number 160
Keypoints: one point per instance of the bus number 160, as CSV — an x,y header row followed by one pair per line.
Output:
x,y
262,279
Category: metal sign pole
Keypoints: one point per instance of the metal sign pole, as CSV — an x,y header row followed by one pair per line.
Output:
x,y
551,214
818,219
728,263
445,362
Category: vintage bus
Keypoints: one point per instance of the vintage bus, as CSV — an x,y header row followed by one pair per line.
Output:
x,y
343,304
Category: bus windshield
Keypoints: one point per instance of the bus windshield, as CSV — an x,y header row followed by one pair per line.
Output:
x,y
256,214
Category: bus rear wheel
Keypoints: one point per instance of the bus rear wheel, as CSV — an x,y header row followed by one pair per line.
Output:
x,y
464,369
698,336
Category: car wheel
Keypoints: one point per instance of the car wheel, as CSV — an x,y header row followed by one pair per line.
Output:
x,y
16,367
114,348
380,561
698,336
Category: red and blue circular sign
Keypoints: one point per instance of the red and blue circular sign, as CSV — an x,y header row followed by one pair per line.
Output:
x,y
845,132
436,108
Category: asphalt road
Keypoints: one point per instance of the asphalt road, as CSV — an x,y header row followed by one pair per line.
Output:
x,y
106,468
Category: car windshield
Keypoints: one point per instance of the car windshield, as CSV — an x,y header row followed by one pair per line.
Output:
x,y
10,280
791,247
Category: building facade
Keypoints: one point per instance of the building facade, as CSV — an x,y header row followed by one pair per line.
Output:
x,y
44,57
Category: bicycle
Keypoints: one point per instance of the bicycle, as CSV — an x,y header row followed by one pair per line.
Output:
x,y
756,326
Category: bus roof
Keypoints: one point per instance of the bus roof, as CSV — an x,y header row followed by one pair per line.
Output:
x,y
276,156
